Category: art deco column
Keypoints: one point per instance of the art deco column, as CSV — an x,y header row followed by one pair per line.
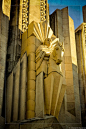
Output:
x,y
9,93
16,91
28,45
31,77
23,80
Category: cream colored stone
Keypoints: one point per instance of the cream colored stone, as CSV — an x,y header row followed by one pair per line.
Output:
x,y
23,78
24,44
38,42
24,36
31,85
31,57
43,67
67,50
31,48
67,40
40,48
31,29
30,105
24,61
9,92
31,40
38,57
70,105
70,98
31,66
69,74
70,90
39,109
68,59
31,95
22,104
56,91
22,91
30,114
31,75
16,71
48,92
68,67
34,9
61,38
38,64
69,82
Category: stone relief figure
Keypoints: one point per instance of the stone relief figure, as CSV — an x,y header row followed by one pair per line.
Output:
x,y
48,61
50,57
43,84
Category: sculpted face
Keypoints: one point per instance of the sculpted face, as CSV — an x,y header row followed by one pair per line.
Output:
x,y
58,54
47,42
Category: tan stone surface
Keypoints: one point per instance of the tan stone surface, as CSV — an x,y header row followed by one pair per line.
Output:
x,y
72,41
16,71
22,91
31,75
30,29
69,56
38,42
38,57
30,114
24,37
4,24
48,92
31,85
39,109
69,74
31,57
38,64
43,67
24,44
31,95
80,47
53,67
30,48
6,5
31,40
34,11
59,103
31,66
56,91
9,94
31,105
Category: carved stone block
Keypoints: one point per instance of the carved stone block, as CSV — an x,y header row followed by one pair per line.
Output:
x,y
39,109
48,92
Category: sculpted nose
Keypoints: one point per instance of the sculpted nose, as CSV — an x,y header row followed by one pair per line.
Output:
x,y
59,61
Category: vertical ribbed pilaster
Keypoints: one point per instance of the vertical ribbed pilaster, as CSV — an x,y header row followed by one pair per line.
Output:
x,y
31,78
9,94
23,79
16,91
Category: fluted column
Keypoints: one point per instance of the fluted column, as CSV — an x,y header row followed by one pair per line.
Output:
x,y
9,93
16,91
23,79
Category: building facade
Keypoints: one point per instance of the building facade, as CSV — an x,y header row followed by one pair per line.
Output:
x,y
38,83
80,35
